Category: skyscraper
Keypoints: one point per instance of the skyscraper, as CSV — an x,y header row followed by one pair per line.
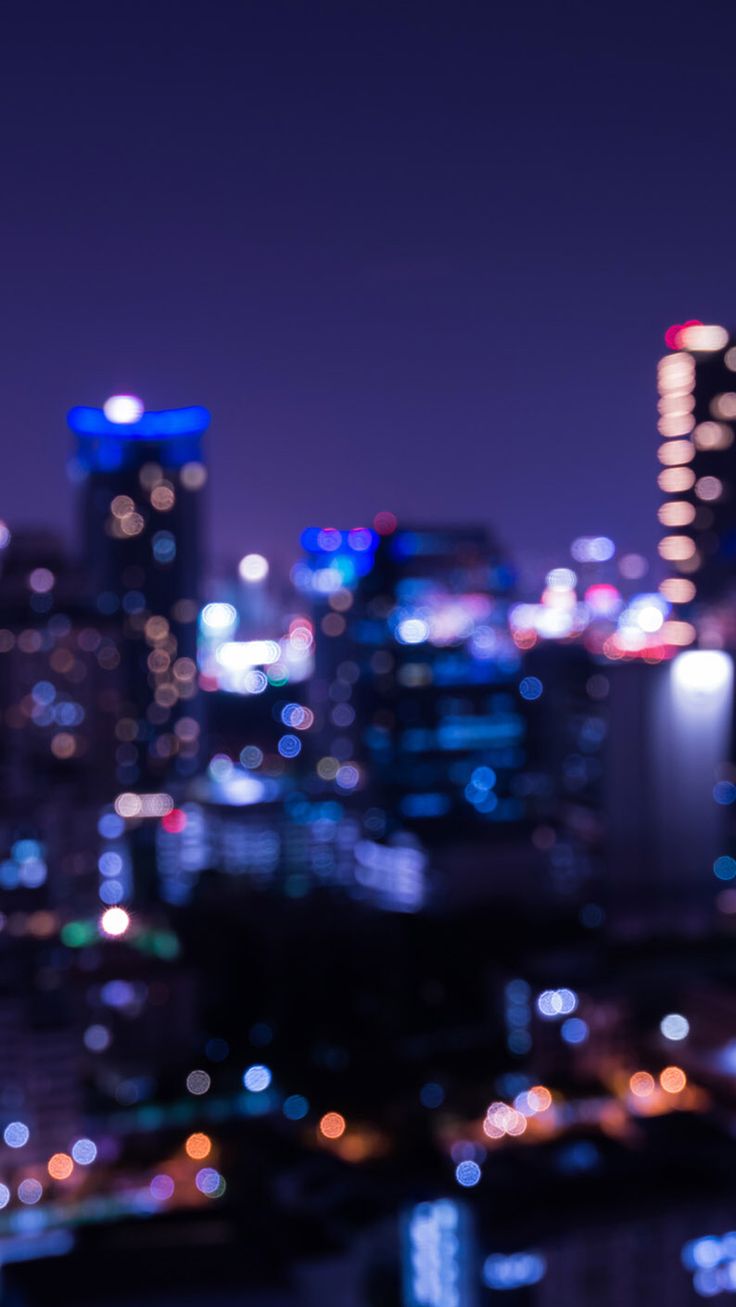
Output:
x,y
697,408
415,685
691,737
141,475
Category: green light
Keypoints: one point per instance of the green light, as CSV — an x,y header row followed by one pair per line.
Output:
x,y
77,934
160,943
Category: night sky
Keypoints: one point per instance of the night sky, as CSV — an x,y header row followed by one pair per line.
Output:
x,y
415,256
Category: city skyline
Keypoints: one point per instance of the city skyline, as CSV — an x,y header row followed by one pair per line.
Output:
x,y
367,654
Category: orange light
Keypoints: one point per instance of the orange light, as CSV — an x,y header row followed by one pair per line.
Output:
x,y
60,1166
516,1123
332,1125
678,633
676,452
673,1080
676,547
641,1084
677,590
675,424
677,512
492,1130
539,1098
198,1146
673,480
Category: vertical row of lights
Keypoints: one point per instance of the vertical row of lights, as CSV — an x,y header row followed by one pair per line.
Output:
x,y
682,438
676,385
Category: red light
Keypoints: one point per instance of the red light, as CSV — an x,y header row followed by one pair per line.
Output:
x,y
385,523
175,821
672,334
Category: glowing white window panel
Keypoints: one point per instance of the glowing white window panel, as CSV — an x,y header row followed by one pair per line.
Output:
x,y
702,672
238,655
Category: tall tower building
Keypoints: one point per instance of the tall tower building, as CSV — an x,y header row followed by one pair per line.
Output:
x,y
691,745
697,410
142,475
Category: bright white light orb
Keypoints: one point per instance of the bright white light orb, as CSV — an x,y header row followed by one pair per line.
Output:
x,y
650,618
675,1026
702,671
114,922
254,567
123,409
412,630
219,617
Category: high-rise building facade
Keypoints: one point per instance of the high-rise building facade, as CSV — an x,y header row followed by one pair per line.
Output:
x,y
691,740
416,673
697,408
141,477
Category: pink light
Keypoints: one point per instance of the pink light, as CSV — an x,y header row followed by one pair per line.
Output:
x,y
672,334
603,598
174,822
385,523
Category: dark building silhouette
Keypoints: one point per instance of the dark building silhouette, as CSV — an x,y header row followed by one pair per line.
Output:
x,y
141,479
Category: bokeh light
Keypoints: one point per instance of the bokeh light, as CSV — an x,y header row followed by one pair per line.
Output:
x,y
675,1026
332,1125
257,1078
198,1082
60,1166
16,1134
123,409
114,922
253,568
198,1146
467,1174
673,1079
641,1084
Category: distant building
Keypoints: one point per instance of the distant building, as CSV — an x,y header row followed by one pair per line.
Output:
x,y
416,674
697,409
141,476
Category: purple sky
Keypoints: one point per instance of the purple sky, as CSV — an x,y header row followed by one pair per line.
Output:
x,y
415,256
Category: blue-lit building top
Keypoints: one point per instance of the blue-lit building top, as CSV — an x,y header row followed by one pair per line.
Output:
x,y
107,445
